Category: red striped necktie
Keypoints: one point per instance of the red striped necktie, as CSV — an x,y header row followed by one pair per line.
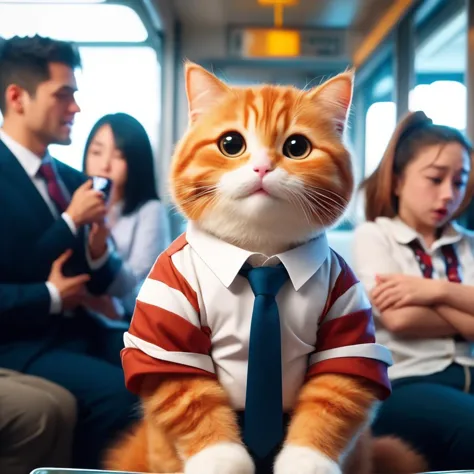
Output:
x,y
426,265
47,171
451,261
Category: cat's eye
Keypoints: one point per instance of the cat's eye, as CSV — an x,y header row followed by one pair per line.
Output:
x,y
232,144
297,147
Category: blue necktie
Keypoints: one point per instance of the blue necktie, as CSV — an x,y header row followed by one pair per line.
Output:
x,y
263,419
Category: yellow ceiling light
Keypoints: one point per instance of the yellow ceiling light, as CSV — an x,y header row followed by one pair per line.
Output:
x,y
285,3
276,42
278,6
272,43
278,15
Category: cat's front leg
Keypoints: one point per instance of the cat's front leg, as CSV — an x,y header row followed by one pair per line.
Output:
x,y
195,414
331,411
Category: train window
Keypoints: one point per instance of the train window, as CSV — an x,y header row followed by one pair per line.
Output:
x,y
114,77
443,101
91,22
113,80
380,113
440,65
380,122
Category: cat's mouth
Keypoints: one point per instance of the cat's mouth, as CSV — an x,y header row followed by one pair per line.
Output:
x,y
256,191
250,188
260,190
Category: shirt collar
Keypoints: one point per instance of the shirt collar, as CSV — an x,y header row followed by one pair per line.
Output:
x,y
404,234
28,160
225,260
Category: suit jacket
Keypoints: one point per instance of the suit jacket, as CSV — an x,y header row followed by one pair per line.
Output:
x,y
31,238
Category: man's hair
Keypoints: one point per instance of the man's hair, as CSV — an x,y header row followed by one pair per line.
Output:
x,y
25,61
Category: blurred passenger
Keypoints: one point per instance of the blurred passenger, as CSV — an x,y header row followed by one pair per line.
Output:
x,y
54,247
417,265
118,148
37,420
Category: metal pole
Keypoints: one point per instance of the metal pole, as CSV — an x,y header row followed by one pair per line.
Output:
x,y
404,64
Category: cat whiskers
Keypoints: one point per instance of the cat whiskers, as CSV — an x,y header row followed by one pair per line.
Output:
x,y
326,203
331,210
326,191
338,201
298,200
202,191
333,207
318,202
205,191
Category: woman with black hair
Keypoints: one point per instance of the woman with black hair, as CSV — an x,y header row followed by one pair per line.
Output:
x,y
119,148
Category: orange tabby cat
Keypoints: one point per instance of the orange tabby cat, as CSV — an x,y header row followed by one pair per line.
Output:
x,y
261,172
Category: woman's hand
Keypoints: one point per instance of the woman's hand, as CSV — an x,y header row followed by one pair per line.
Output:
x,y
98,239
397,291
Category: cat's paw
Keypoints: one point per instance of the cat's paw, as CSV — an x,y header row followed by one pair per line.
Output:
x,y
302,460
221,458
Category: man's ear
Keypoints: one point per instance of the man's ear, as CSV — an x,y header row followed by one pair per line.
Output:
x,y
14,98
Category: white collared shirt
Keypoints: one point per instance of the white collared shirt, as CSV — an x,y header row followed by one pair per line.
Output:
x,y
193,315
380,247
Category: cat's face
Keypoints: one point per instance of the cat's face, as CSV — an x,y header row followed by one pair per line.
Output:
x,y
267,160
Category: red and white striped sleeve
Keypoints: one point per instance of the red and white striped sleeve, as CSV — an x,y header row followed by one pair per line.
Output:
x,y
346,334
165,335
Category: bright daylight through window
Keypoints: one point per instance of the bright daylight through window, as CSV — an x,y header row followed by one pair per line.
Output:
x,y
114,77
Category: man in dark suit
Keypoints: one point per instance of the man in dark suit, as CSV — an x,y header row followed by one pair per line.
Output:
x,y
54,247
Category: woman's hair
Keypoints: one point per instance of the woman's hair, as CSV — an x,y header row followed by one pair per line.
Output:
x,y
134,144
413,133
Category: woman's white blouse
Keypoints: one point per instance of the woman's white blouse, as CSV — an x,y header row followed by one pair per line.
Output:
x,y
380,247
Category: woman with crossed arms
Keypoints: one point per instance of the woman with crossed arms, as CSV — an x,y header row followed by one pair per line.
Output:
x,y
417,265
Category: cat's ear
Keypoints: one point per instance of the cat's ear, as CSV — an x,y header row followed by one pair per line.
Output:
x,y
203,90
337,94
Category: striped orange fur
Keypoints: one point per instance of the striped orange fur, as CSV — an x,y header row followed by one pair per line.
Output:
x,y
183,414
186,414
314,191
330,413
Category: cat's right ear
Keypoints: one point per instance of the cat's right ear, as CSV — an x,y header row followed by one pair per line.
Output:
x,y
336,93
203,90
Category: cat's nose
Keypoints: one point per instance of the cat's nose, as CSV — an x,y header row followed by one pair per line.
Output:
x,y
261,170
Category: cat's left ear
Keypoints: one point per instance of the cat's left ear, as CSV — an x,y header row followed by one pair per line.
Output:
x,y
337,94
203,90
